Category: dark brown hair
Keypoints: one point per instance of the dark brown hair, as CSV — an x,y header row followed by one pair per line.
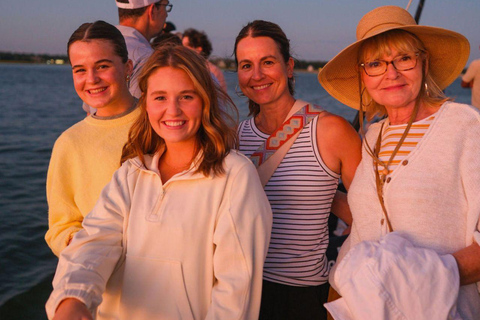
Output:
x,y
100,30
166,38
198,39
261,28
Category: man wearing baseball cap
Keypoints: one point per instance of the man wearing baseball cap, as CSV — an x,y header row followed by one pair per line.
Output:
x,y
140,21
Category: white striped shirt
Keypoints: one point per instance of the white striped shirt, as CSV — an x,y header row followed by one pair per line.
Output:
x,y
300,192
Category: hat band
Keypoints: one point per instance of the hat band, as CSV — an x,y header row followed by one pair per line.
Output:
x,y
379,28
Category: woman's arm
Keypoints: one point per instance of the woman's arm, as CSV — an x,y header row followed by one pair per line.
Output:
x,y
340,148
64,217
340,207
241,240
468,259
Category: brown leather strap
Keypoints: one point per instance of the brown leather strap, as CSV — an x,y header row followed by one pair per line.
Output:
x,y
376,159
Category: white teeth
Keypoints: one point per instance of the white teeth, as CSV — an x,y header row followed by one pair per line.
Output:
x,y
261,87
174,123
93,91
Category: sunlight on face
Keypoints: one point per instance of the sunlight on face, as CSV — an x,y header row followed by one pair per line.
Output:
x,y
174,106
394,89
262,72
99,75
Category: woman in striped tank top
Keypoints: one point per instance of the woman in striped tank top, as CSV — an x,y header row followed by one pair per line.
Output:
x,y
420,169
304,184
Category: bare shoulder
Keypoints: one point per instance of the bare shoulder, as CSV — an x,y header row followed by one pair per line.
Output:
x,y
333,125
339,145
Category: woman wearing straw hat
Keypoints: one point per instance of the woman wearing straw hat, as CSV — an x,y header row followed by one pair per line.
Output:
x,y
420,168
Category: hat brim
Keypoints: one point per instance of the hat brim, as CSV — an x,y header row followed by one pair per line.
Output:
x,y
448,55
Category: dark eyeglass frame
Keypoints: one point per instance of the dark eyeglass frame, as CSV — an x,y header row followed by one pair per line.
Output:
x,y
168,6
392,62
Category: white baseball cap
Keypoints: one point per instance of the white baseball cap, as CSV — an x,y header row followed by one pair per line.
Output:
x,y
134,4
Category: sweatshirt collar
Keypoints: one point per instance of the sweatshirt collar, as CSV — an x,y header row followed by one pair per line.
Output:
x,y
151,165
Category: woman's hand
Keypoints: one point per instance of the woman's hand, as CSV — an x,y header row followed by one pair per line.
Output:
x,y
72,309
468,261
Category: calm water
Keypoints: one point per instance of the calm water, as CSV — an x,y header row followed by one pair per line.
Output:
x,y
37,103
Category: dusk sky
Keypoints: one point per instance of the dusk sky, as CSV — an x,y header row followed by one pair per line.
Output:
x,y
317,29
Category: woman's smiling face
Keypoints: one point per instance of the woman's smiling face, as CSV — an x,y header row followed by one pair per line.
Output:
x,y
395,89
99,75
174,106
262,72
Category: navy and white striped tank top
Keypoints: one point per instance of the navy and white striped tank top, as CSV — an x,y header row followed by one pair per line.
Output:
x,y
300,192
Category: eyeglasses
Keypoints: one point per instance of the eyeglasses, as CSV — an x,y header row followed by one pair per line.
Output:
x,y
168,6
402,63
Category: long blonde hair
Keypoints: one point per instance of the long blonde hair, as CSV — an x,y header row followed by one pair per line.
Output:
x,y
217,133
403,41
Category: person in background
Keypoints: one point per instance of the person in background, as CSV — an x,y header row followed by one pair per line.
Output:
x,y
166,38
87,154
419,175
182,230
169,27
303,186
471,80
139,22
198,41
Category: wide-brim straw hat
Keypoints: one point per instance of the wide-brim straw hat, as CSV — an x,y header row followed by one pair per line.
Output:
x,y
448,53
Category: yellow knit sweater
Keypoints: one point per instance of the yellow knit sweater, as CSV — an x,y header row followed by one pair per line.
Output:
x,y
83,161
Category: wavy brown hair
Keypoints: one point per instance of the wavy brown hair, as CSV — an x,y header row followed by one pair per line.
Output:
x,y
217,133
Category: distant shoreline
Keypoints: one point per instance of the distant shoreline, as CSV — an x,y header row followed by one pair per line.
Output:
x,y
16,57
303,70
26,62
224,63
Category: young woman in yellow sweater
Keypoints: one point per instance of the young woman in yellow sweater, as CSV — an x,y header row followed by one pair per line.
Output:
x,y
86,155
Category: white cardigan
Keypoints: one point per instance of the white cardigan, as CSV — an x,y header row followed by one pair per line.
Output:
x,y
432,197
192,248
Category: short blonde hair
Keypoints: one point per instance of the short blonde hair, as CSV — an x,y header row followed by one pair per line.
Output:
x,y
217,133
403,42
